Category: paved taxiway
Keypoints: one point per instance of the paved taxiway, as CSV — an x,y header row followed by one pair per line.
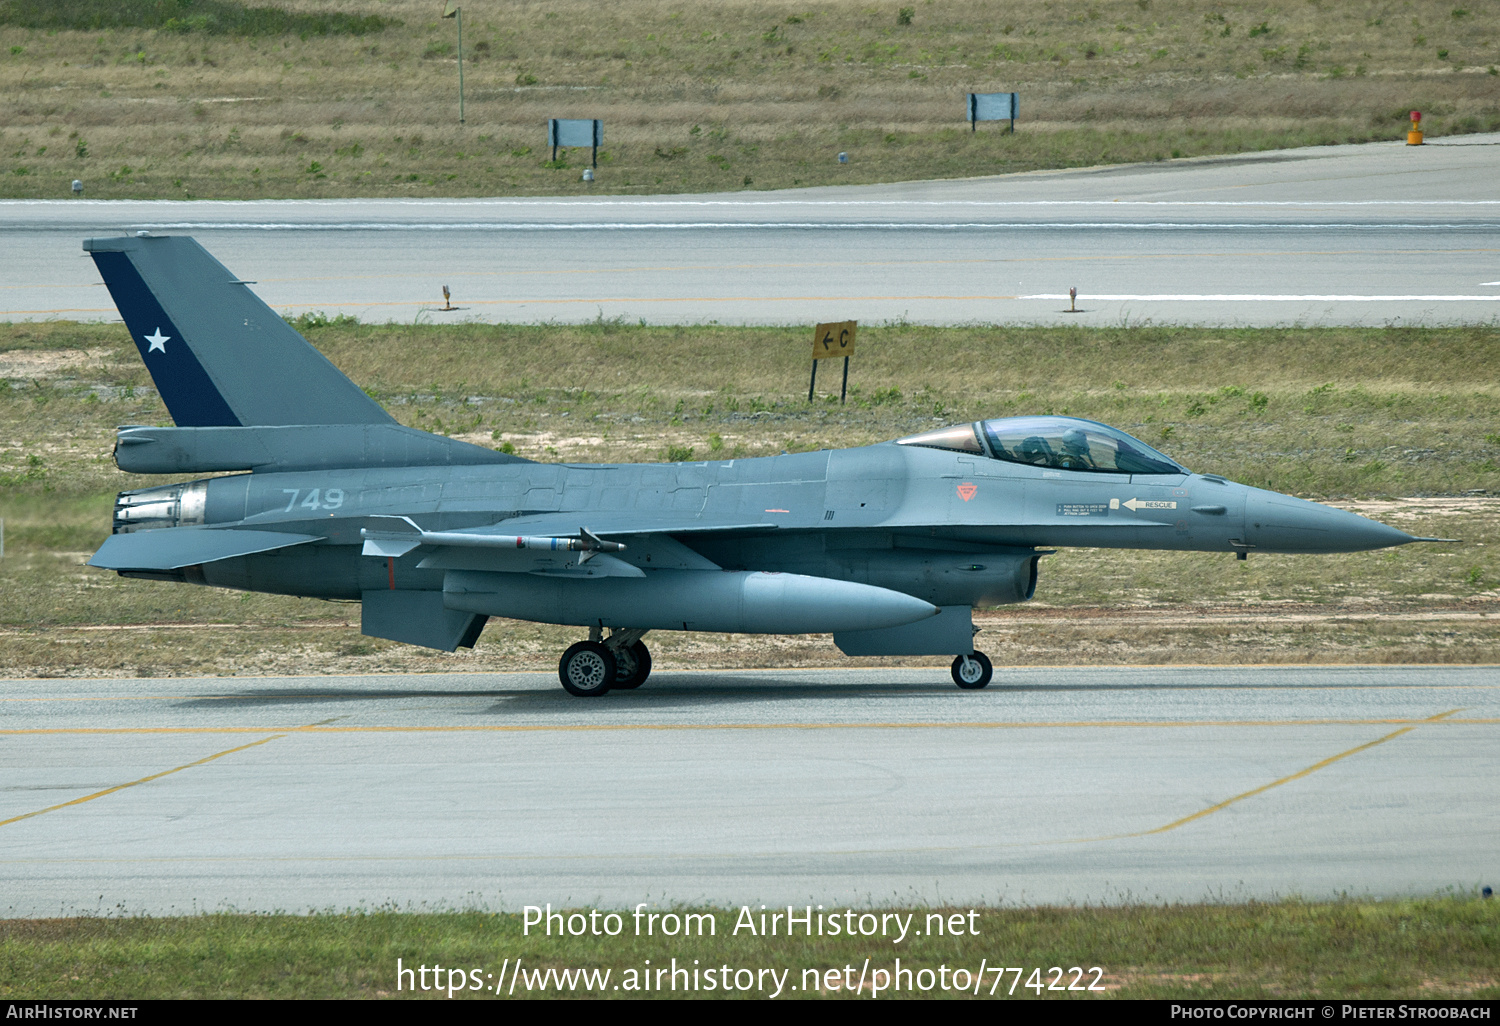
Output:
x,y
831,786
1368,234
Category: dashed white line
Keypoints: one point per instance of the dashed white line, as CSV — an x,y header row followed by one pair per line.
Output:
x,y
1260,298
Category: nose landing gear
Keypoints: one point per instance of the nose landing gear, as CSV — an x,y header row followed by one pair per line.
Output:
x,y
594,667
972,672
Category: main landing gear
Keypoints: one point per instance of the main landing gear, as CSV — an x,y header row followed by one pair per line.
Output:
x,y
591,668
972,672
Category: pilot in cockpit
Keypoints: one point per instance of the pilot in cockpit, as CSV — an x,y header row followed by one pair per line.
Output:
x,y
1035,450
1075,453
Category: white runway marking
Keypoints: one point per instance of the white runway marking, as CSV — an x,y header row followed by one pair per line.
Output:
x,y
1228,298
690,226
937,252
636,204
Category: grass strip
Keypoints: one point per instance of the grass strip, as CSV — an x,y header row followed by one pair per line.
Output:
x,y
1446,946
216,99
215,17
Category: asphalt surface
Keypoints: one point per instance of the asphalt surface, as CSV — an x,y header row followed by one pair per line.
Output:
x,y
735,787
1371,234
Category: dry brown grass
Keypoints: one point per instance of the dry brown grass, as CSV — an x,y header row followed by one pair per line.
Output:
x,y
724,96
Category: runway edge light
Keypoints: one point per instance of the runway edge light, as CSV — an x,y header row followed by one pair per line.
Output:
x,y
1414,137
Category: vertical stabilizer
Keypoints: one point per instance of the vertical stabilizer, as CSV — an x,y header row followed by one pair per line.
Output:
x,y
218,355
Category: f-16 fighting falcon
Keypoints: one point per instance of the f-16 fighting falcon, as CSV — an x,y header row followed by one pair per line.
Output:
x,y
887,547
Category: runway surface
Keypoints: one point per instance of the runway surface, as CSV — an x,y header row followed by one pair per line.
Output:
x,y
734,787
1372,234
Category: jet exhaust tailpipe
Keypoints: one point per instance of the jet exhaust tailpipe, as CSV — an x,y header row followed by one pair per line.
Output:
x,y
145,509
741,602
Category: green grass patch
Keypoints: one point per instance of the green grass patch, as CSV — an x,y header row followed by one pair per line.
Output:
x,y
214,17
1435,947
218,99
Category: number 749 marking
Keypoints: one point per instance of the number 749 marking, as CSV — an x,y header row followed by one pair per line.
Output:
x,y
333,498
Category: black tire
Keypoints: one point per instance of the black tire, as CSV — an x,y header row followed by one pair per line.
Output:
x,y
964,675
587,670
631,672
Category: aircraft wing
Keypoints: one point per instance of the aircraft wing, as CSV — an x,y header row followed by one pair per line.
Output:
x,y
172,548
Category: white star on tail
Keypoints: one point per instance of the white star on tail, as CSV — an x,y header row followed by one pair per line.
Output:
x,y
158,342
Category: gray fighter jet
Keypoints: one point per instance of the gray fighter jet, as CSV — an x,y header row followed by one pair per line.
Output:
x,y
887,547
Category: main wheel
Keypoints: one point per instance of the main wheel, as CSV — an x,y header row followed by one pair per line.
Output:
x,y
632,666
972,672
587,669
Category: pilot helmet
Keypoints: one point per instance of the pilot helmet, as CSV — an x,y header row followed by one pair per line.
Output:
x,y
1075,441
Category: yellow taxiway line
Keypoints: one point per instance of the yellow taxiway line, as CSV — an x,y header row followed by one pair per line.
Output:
x,y
1443,717
135,783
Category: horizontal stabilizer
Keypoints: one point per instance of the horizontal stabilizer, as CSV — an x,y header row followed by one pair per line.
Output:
x,y
174,547
220,356
208,450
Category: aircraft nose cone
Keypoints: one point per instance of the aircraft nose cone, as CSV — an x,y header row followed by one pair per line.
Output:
x,y
1280,523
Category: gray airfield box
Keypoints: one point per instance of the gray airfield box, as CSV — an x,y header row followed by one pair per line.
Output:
x,y
567,132
993,107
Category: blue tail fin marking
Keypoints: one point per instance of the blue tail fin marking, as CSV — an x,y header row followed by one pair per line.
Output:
x,y
219,355
190,394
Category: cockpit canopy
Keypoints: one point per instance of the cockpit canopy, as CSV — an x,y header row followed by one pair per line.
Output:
x,y
1058,443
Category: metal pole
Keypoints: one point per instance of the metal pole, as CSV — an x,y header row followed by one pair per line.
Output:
x,y
812,381
845,390
460,65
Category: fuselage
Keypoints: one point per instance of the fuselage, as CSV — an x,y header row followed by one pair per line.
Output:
x,y
951,528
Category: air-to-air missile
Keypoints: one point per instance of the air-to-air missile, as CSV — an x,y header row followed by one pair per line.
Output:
x,y
887,547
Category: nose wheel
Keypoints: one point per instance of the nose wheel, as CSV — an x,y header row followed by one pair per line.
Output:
x,y
972,672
